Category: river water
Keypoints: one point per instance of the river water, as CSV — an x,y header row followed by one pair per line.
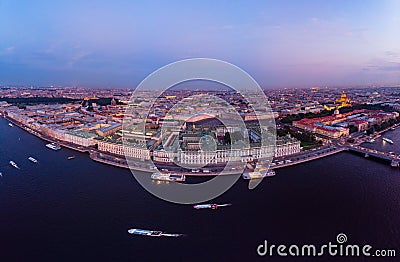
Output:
x,y
80,210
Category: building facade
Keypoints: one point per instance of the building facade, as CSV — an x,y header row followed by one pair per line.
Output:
x,y
117,148
81,138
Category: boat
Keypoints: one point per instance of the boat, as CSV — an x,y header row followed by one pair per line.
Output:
x,y
258,174
70,157
33,159
10,124
210,206
371,140
168,177
53,146
151,233
1,174
387,140
14,164
177,177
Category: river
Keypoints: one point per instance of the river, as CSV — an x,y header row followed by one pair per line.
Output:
x,y
80,210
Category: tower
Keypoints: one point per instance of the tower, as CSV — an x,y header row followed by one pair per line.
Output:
x,y
113,102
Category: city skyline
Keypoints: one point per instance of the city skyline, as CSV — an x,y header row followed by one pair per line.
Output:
x,y
285,44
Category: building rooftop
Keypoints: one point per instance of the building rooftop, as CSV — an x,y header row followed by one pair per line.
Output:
x,y
82,134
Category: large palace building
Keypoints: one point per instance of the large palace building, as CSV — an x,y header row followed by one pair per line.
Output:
x,y
184,146
284,146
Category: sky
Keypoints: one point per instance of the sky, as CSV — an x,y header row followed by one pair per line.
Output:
x,y
279,43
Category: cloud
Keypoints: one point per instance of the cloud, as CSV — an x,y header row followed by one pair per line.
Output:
x,y
393,56
78,56
389,62
392,53
390,67
383,66
228,27
7,50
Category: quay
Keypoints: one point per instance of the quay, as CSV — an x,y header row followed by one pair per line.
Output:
x,y
298,158
46,138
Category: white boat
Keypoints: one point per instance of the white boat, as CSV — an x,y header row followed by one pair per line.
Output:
x,y
1,174
53,146
210,206
10,124
151,233
33,159
387,140
168,177
14,164
258,174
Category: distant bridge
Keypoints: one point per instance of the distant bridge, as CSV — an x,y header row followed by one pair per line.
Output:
x,y
392,159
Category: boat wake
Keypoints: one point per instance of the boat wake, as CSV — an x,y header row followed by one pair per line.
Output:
x,y
172,235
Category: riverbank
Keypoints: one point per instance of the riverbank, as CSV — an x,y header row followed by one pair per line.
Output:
x,y
46,138
120,161
366,138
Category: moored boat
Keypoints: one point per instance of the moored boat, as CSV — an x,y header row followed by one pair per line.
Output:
x,y
53,146
387,140
258,174
168,177
371,140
